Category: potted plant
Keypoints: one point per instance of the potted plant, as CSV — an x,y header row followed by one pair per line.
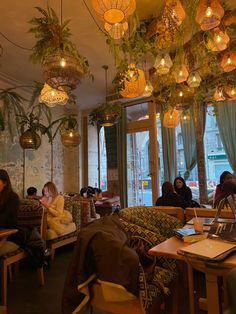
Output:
x,y
62,64
106,114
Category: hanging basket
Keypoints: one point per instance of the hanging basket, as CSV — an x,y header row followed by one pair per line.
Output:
x,y
114,11
171,118
70,138
108,118
62,69
134,84
30,140
228,62
218,41
209,14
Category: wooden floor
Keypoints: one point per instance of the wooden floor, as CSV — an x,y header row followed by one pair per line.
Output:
x,y
26,297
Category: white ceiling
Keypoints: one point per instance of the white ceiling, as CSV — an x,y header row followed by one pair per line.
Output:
x,y
15,64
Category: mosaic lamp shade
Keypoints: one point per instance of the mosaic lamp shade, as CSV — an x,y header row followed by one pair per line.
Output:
x,y
117,30
62,70
171,118
176,11
134,83
114,11
70,138
218,40
228,62
52,97
209,14
30,140
163,63
181,74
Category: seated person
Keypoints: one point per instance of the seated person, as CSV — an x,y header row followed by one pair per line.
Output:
x,y
170,197
228,188
183,190
59,220
225,176
32,193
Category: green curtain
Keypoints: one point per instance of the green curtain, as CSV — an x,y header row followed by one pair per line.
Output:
x,y
189,143
226,119
122,159
169,153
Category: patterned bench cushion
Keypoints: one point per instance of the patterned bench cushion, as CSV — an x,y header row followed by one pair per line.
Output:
x,y
30,216
63,237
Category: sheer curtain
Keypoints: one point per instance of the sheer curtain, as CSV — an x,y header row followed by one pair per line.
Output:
x,y
169,153
226,119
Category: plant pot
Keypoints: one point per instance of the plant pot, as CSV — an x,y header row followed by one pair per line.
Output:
x,y
30,140
108,119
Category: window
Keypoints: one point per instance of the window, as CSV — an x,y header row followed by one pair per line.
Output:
x,y
103,160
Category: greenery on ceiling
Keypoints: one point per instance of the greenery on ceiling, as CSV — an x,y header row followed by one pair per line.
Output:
x,y
53,37
161,34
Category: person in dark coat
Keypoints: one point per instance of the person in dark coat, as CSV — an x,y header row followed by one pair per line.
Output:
x,y
170,197
183,190
9,206
225,176
228,188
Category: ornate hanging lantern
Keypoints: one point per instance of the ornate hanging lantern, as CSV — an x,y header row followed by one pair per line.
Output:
x,y
163,63
108,118
194,80
231,91
171,118
30,140
228,62
185,116
148,89
134,83
219,95
52,97
181,75
70,138
177,11
209,14
218,41
114,11
62,69
117,30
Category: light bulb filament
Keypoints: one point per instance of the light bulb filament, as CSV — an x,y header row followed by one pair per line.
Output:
x,y
229,60
181,94
180,73
209,12
163,62
194,78
63,62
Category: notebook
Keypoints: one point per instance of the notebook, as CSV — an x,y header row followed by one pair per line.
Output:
x,y
207,221
208,249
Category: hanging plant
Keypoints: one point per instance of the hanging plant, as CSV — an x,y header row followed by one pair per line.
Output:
x,y
70,136
62,64
106,114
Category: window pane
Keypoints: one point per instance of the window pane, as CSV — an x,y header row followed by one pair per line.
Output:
x,y
103,160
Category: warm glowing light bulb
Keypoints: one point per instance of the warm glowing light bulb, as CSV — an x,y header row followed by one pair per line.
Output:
x,y
63,62
209,12
146,88
53,93
185,118
194,78
233,91
180,73
131,74
228,60
163,62
220,93
171,117
181,94
30,141
71,134
158,115
218,38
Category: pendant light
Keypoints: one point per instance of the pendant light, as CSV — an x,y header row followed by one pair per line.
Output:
x,y
52,97
194,80
148,87
117,30
163,63
176,11
218,40
219,94
181,74
171,118
209,14
228,62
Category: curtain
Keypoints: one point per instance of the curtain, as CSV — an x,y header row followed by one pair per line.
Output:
x,y
169,153
189,142
226,119
122,159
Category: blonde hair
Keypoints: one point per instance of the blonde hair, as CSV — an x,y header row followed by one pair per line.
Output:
x,y
51,188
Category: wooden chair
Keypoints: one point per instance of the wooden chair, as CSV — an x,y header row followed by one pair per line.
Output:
x,y
33,215
206,212
177,212
124,307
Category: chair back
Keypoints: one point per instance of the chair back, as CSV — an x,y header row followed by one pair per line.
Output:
x,y
206,212
177,212
231,289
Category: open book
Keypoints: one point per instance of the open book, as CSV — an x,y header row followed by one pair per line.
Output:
x,y
208,249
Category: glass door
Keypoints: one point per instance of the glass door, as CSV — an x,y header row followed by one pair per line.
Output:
x,y
139,185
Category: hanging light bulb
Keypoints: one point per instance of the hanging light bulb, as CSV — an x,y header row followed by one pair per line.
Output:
x,y
230,91
218,95
71,134
218,40
194,80
117,30
63,62
171,117
228,62
233,92
181,74
148,89
181,94
163,63
209,12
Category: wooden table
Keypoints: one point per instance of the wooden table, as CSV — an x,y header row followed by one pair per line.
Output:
x,y
170,248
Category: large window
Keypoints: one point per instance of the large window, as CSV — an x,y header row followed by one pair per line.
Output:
x,y
103,160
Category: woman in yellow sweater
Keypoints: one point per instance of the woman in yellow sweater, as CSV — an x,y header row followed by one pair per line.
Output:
x,y
59,220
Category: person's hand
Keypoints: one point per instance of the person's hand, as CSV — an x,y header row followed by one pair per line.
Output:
x,y
43,201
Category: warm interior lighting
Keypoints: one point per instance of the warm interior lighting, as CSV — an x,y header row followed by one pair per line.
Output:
x,y
228,60
52,97
233,92
163,62
185,118
220,93
218,38
181,94
180,73
194,79
71,134
63,62
171,117
209,12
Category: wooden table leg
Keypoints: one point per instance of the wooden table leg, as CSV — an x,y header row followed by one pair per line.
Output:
x,y
213,306
191,289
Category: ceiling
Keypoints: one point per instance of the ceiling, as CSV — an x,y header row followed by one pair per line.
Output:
x,y
15,64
